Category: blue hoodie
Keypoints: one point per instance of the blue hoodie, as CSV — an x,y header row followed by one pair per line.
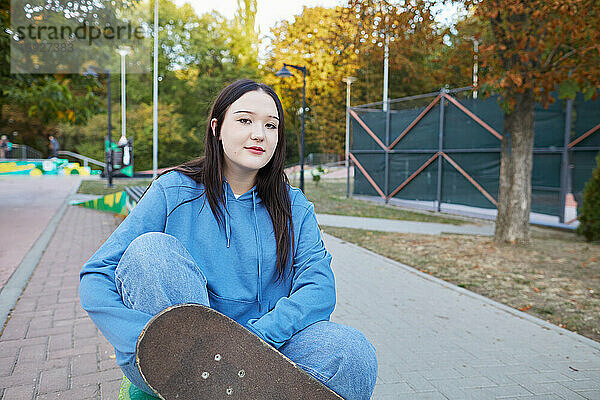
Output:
x,y
239,263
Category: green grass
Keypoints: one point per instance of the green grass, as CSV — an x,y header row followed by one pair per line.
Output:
x,y
99,186
329,197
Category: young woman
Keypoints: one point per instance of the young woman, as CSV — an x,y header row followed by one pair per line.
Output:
x,y
229,232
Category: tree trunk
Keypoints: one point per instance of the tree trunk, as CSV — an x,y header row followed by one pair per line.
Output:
x,y
514,197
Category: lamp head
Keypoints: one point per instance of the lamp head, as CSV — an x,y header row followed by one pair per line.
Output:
x,y
123,50
283,72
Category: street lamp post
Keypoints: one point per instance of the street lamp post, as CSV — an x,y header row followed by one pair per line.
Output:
x,y
475,63
386,58
284,73
155,96
348,80
123,51
108,154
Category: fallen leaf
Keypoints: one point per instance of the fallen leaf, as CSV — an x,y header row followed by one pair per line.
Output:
x,y
536,289
525,308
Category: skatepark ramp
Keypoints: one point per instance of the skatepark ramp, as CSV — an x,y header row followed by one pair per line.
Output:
x,y
86,160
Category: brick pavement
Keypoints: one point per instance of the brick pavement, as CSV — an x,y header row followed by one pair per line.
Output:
x,y
433,340
49,348
26,206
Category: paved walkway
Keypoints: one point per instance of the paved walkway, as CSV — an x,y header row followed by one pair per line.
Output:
x,y
26,206
49,348
390,225
434,340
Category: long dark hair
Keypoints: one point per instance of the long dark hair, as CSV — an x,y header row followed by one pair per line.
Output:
x,y
271,181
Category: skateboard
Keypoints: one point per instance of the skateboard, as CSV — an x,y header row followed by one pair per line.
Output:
x,y
190,351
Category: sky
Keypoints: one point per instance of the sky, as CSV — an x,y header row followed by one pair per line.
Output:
x,y
268,12
271,11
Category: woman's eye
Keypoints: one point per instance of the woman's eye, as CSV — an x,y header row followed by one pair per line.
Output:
x,y
272,126
244,120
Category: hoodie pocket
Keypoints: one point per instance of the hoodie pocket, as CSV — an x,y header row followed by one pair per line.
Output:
x,y
238,310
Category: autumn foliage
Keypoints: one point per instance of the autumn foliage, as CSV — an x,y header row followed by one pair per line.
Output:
x,y
349,41
540,46
530,49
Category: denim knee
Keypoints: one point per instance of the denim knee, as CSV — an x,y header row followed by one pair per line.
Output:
x,y
157,271
339,356
151,248
357,371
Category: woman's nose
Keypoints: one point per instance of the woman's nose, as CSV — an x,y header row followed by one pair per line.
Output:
x,y
258,133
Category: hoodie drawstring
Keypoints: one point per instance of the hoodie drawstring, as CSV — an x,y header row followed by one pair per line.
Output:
x,y
258,245
258,248
227,225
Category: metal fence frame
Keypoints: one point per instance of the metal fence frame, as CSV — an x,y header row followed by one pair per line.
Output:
x,y
442,97
23,152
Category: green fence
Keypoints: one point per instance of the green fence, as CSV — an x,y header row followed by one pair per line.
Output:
x,y
445,147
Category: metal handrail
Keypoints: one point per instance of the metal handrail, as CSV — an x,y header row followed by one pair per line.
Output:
x,y
24,152
85,159
415,97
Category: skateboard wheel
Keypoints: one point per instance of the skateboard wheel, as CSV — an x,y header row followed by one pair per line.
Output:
x,y
204,375
229,391
241,373
217,357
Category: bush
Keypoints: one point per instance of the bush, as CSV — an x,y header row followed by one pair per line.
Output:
x,y
589,218
316,174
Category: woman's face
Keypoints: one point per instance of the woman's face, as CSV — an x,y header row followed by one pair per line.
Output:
x,y
249,132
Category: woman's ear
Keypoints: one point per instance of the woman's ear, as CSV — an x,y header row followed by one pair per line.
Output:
x,y
213,125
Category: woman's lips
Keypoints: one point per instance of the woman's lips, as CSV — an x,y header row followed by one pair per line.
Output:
x,y
255,150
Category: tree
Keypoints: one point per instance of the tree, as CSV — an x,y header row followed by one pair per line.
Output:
x,y
589,218
32,106
243,36
4,49
312,40
422,55
334,43
536,47
193,68
176,144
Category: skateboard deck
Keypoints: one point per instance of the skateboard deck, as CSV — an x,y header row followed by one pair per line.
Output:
x,y
190,351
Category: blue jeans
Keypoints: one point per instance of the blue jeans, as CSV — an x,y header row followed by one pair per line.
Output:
x,y
337,355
